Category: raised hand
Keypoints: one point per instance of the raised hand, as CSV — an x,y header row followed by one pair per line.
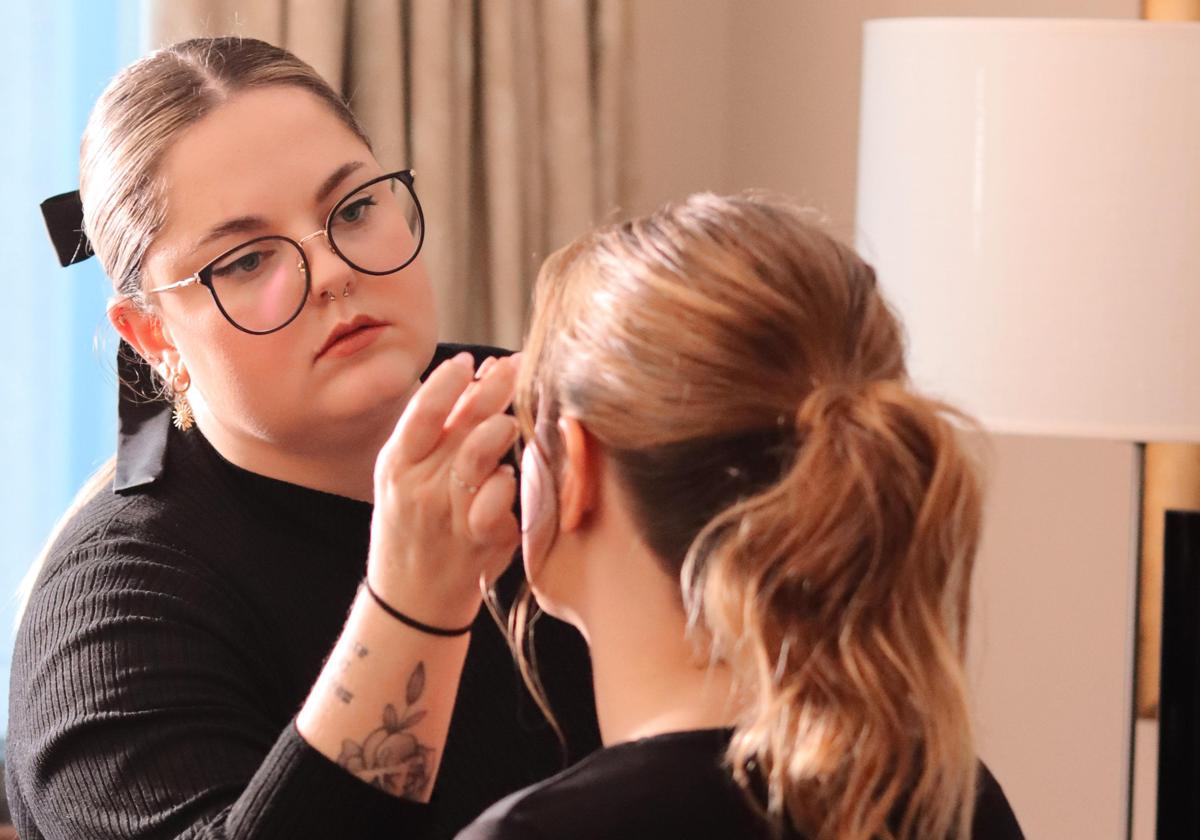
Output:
x,y
443,502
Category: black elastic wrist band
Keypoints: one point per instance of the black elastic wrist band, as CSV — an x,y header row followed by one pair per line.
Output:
x,y
412,622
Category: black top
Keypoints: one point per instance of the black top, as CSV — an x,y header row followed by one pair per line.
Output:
x,y
175,633
670,785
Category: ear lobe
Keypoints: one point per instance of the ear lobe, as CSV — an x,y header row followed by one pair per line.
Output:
x,y
580,474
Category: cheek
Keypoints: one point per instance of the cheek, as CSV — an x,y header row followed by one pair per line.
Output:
x,y
412,296
539,513
243,378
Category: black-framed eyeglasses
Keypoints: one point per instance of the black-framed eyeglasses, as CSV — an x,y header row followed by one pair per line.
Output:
x,y
261,285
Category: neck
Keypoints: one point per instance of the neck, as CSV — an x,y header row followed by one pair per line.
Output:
x,y
649,678
341,462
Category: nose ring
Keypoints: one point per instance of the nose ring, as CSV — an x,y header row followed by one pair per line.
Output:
x,y
330,296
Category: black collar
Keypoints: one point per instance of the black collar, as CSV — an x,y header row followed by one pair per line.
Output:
x,y
144,414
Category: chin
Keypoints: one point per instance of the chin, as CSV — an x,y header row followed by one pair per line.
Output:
x,y
385,401
376,384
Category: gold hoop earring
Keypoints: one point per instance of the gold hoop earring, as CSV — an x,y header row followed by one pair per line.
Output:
x,y
181,413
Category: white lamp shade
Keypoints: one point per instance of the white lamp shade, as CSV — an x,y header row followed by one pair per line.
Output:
x,y
1029,194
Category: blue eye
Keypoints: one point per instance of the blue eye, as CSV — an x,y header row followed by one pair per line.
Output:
x,y
354,211
245,264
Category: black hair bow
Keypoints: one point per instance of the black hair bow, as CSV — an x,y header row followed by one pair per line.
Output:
x,y
145,418
64,222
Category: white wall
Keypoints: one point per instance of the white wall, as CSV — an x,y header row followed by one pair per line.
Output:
x,y
680,100
729,94
1052,628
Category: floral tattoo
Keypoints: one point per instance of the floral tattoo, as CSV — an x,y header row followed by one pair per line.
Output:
x,y
391,758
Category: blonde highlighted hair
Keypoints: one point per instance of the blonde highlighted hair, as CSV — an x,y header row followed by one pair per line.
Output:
x,y
742,371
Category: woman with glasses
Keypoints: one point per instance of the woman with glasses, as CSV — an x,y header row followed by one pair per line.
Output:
x,y
764,533
263,619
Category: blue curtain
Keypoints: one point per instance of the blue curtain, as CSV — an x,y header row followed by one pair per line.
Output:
x,y
57,381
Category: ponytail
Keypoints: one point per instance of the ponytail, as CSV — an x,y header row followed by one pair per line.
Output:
x,y
839,596
744,374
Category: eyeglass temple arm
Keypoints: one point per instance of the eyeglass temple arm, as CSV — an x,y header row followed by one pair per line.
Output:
x,y
190,281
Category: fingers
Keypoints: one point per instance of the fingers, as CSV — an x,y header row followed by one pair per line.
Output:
x,y
424,418
483,367
443,510
515,358
486,490
484,446
488,395
450,403
483,491
490,519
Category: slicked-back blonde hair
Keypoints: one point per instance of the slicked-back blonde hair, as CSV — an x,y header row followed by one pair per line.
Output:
x,y
743,373
139,116
137,119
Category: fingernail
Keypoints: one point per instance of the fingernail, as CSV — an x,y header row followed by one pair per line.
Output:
x,y
465,359
508,470
487,365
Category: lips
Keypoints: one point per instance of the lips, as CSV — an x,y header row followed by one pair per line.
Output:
x,y
346,332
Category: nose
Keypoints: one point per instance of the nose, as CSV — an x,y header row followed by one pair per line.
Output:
x,y
330,273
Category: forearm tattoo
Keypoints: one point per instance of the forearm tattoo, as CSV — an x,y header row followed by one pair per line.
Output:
x,y
391,757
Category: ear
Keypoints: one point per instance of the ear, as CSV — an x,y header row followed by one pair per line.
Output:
x,y
145,333
579,487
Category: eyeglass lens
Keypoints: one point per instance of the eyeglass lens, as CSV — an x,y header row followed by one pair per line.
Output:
x,y
261,286
376,229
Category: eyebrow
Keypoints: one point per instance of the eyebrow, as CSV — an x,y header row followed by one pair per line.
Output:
x,y
331,183
242,224
253,224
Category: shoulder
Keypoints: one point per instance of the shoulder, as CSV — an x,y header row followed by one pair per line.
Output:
x,y
121,541
671,785
532,813
196,525
105,515
120,565
994,817
509,819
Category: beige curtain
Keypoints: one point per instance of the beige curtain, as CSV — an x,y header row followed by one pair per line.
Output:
x,y
510,111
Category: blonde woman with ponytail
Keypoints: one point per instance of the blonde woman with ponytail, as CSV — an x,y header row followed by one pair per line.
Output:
x,y
259,621
764,533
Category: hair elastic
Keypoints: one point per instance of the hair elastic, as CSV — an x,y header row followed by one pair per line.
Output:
x,y
412,622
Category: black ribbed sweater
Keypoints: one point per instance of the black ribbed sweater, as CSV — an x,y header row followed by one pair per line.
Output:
x,y
671,785
174,635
